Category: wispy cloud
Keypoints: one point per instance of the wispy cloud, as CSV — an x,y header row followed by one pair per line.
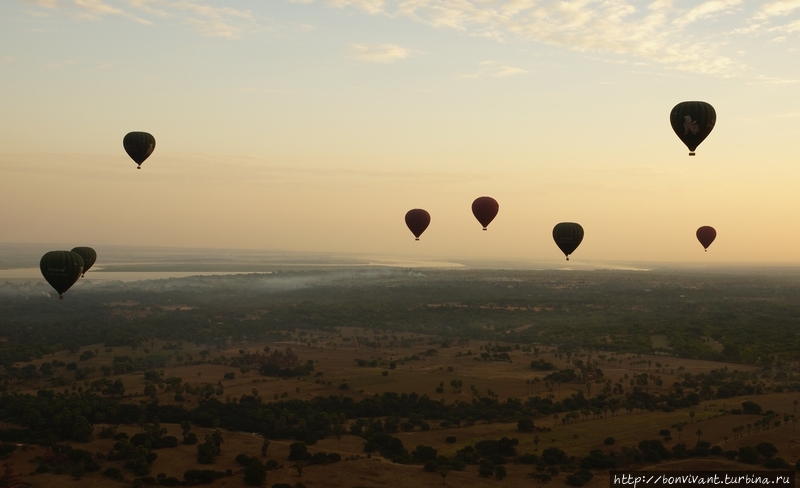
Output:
x,y
777,8
205,18
774,80
385,53
657,31
509,71
490,68
42,3
371,6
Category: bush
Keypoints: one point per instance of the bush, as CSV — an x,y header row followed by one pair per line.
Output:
x,y
113,473
486,468
609,441
580,477
525,425
451,439
431,466
255,473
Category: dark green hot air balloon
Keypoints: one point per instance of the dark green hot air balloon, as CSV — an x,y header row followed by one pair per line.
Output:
x,y
568,236
139,146
61,269
693,122
89,257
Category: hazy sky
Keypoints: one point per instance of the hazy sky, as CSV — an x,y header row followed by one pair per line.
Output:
x,y
315,125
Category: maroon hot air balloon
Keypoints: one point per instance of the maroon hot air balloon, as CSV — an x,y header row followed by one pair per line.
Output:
x,y
706,235
485,210
417,221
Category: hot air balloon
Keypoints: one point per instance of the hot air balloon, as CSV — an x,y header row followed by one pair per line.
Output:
x,y
485,210
692,122
706,235
139,146
89,257
417,221
568,236
61,269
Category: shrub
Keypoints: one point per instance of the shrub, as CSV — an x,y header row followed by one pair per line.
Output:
x,y
609,441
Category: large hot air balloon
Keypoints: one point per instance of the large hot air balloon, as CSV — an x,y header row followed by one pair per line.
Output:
x,y
706,235
139,146
485,210
417,221
568,236
61,269
692,122
89,257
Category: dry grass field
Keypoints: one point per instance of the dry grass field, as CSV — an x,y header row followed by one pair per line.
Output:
x,y
335,358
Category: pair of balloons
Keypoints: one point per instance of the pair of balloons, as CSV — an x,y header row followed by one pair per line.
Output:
x,y
483,208
63,268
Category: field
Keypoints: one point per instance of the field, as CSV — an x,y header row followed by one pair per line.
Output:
x,y
336,361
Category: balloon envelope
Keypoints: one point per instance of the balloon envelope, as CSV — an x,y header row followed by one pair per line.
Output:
x,y
61,269
139,146
417,221
485,210
568,236
706,235
89,257
692,122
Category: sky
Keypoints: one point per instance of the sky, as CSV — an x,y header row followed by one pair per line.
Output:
x,y
314,126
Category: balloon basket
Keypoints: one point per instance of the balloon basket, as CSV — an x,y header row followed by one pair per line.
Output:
x,y
60,297
691,153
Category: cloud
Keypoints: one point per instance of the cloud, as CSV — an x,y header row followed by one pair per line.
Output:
x,y
205,18
6,59
385,53
490,68
708,9
370,6
656,30
777,8
775,80
509,71
42,3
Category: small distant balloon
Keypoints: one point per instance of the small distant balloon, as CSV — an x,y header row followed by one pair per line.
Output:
x,y
693,122
61,269
568,236
89,257
485,210
417,221
139,146
706,235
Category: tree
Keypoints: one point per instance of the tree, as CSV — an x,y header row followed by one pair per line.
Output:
x,y
699,433
767,449
691,415
255,473
500,472
298,452
525,425
264,447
